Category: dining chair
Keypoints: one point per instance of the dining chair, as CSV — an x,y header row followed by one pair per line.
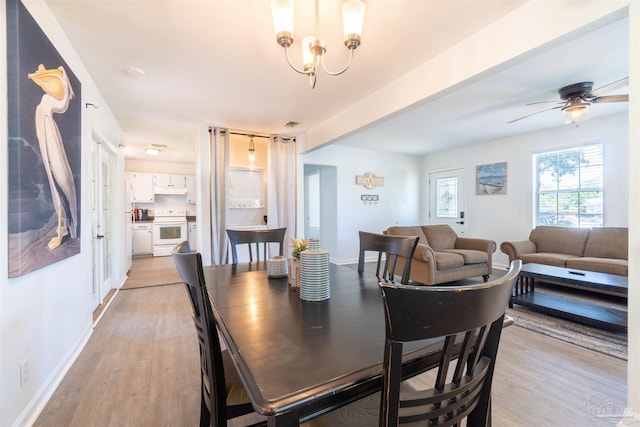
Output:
x,y
470,318
393,247
251,237
222,395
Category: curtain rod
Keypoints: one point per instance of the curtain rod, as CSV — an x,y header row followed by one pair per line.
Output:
x,y
254,135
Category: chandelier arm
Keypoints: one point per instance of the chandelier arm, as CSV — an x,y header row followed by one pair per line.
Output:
x,y
286,54
341,71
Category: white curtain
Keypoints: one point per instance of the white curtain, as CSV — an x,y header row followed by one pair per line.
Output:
x,y
281,186
219,175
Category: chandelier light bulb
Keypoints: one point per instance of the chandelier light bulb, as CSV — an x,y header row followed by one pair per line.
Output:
x,y
352,21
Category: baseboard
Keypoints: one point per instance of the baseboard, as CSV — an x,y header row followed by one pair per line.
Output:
x,y
33,409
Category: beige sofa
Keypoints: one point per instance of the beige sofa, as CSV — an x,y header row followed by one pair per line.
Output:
x,y
604,250
441,256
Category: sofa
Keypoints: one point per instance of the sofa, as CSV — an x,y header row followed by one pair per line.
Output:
x,y
441,256
603,250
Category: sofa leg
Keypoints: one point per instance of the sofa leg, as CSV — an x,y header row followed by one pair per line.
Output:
x,y
485,278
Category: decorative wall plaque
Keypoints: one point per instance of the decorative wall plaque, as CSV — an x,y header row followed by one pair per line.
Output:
x,y
369,180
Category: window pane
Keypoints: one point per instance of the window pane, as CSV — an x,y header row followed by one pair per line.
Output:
x,y
446,198
570,187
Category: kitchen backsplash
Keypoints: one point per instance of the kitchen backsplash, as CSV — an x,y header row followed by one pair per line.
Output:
x,y
168,201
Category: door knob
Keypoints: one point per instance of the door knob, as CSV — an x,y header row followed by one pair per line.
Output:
x,y
100,236
459,222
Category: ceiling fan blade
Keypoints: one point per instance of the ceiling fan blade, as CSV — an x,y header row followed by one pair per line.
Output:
x,y
546,102
611,98
611,86
533,114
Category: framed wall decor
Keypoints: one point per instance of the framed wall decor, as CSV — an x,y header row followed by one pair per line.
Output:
x,y
491,179
44,143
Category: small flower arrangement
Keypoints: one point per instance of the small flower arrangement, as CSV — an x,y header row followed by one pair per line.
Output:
x,y
298,245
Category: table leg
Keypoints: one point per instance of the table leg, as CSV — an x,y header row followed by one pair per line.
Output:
x,y
290,419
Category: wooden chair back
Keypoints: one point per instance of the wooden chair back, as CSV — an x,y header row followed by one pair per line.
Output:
x,y
255,237
469,318
213,408
393,247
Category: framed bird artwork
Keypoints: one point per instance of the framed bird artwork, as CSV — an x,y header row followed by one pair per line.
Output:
x,y
44,144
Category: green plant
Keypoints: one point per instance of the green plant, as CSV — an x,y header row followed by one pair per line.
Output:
x,y
298,245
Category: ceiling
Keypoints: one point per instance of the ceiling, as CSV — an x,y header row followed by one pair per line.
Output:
x,y
216,62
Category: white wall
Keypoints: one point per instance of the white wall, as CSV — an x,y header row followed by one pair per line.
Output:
x,y
510,217
400,197
46,315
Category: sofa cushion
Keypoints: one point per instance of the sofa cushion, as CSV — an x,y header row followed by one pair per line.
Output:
x,y
405,230
559,260
601,265
447,260
610,242
440,236
560,240
470,256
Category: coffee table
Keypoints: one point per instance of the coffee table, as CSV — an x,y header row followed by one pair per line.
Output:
x,y
577,310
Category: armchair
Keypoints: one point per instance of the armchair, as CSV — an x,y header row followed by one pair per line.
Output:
x,y
441,256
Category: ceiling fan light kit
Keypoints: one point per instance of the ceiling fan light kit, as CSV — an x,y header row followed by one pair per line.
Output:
x,y
577,97
313,48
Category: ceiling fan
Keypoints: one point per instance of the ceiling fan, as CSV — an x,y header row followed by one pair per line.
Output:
x,y
578,96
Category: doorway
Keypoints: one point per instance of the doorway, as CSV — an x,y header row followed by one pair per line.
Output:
x,y
447,199
320,205
101,213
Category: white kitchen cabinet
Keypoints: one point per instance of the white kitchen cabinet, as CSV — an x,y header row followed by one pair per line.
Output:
x,y
169,182
191,189
192,234
142,239
142,187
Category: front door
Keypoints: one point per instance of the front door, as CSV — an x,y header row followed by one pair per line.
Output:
x,y
446,199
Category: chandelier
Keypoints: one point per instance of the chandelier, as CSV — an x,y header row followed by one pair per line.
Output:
x,y
313,48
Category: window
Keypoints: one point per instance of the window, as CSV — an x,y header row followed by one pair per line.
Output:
x,y
446,197
568,188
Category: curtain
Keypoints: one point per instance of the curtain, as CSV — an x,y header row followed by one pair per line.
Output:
x,y
219,175
281,185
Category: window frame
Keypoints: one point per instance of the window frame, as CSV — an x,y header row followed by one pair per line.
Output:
x,y
585,212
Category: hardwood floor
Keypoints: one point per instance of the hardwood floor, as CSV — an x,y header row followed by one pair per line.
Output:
x,y
140,368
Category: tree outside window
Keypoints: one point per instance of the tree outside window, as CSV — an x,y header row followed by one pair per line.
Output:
x,y
569,187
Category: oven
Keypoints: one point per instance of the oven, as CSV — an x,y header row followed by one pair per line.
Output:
x,y
169,229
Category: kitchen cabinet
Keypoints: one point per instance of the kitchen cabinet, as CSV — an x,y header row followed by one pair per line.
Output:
x,y
142,238
191,189
169,183
142,187
192,234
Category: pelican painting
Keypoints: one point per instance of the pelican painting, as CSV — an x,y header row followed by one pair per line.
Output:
x,y
44,147
57,95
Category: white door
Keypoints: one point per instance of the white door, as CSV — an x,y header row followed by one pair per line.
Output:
x,y
312,202
101,224
446,199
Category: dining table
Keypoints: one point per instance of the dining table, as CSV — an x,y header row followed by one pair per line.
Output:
x,y
299,359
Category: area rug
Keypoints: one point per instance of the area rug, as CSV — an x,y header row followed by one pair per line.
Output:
x,y
610,343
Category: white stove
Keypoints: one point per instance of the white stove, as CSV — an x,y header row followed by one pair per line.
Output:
x,y
169,229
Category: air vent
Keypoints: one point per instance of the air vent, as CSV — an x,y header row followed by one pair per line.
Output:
x,y
291,124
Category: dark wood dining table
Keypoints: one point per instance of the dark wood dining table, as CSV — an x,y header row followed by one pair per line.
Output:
x,y
299,359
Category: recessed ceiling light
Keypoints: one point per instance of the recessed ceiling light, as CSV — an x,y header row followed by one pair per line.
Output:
x,y
152,151
135,72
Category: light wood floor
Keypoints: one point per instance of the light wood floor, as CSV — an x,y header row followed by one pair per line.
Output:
x,y
140,368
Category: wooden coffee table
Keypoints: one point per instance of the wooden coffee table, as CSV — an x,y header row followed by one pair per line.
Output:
x,y
577,310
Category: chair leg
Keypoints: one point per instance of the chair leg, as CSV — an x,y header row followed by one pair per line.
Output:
x,y
485,278
205,414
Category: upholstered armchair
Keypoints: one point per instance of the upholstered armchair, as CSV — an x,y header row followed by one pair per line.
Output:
x,y
441,256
